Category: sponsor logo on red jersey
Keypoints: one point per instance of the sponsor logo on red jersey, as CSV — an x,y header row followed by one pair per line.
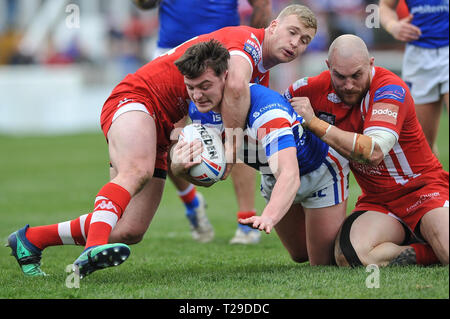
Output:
x,y
385,112
253,49
392,91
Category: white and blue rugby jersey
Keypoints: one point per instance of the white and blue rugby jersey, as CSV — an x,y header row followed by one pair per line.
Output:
x,y
273,122
181,20
431,16
210,119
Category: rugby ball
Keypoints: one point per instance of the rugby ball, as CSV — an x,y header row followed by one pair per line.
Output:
x,y
213,164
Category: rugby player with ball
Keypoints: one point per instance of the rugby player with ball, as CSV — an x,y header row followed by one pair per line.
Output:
x,y
306,185
137,120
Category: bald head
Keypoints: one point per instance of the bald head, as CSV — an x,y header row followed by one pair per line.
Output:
x,y
350,68
348,47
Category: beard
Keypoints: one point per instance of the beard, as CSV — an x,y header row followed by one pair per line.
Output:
x,y
352,97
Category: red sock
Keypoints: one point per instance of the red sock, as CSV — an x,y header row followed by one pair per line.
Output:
x,y
109,205
244,215
425,254
79,229
188,195
75,232
71,232
44,236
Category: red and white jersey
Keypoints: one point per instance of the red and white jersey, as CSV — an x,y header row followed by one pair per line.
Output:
x,y
388,105
161,84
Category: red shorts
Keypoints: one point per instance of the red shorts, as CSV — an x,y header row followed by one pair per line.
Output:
x,y
121,103
411,201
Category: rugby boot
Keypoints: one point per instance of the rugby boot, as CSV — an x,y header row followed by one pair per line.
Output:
x,y
246,235
27,255
201,229
100,257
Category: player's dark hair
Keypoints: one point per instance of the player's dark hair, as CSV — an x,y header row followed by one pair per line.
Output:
x,y
202,55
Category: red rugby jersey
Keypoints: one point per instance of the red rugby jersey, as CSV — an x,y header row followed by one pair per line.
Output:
x,y
160,82
388,105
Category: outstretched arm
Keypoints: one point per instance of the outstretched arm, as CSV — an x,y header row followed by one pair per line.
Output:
x,y
284,165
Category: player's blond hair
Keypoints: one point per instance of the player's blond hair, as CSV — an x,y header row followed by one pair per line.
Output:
x,y
303,13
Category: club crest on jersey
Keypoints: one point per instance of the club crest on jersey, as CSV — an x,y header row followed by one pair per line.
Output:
x,y
332,97
392,92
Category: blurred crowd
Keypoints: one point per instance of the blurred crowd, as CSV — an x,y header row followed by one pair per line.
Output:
x,y
116,32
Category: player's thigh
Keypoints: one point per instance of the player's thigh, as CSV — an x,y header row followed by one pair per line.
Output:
x,y
292,232
322,227
373,228
132,146
445,98
429,116
434,227
139,213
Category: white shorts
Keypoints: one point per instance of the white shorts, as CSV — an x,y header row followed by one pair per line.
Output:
x,y
425,71
323,187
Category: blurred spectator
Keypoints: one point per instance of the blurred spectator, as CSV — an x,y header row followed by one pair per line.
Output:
x,y
129,33
322,39
127,44
426,60
348,16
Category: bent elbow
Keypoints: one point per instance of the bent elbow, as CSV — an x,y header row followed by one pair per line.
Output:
x,y
367,151
236,90
293,180
376,157
374,161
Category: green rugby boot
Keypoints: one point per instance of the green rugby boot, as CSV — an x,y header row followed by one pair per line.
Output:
x,y
27,255
100,257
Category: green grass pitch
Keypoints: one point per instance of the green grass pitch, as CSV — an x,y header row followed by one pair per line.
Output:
x,y
45,180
